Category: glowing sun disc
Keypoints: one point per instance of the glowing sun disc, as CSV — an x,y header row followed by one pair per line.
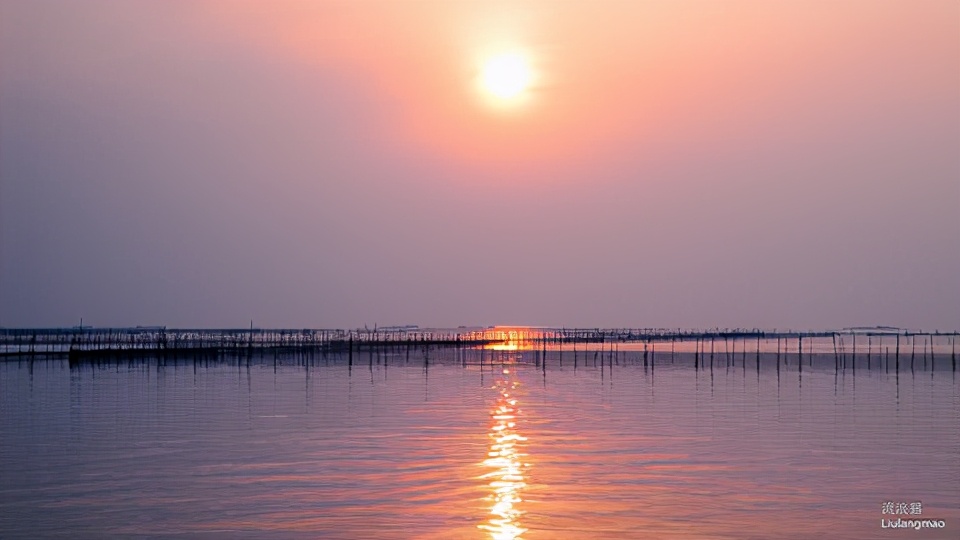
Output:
x,y
506,76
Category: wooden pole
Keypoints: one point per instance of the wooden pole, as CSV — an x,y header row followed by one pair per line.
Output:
x,y
953,352
696,355
836,355
898,353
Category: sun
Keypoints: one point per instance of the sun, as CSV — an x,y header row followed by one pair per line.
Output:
x,y
506,76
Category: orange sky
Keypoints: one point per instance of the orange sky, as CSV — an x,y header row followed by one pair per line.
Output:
x,y
632,74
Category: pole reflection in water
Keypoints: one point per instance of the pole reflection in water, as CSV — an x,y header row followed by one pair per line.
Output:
x,y
505,462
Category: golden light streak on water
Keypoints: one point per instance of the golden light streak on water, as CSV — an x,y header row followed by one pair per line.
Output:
x,y
505,480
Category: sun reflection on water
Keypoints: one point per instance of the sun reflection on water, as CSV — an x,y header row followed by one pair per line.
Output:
x,y
509,338
505,478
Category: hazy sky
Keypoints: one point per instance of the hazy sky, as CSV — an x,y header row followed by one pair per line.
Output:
x,y
326,164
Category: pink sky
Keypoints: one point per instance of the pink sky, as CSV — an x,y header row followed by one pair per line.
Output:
x,y
334,164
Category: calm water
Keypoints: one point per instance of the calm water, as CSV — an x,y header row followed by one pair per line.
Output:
x,y
391,446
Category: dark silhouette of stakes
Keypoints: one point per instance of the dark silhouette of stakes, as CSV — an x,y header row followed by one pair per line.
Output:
x,y
84,343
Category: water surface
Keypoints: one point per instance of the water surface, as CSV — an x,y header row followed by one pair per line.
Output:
x,y
471,444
